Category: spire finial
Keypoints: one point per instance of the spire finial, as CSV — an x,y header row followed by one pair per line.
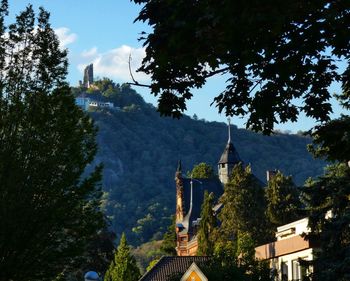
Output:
x,y
229,129
179,166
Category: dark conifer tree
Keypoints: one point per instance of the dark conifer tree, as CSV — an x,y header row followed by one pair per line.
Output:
x,y
244,207
49,211
283,203
207,226
123,267
169,240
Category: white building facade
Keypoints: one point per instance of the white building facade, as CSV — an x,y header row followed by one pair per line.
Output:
x,y
286,253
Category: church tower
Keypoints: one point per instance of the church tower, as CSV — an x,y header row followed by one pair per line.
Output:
x,y
179,193
228,159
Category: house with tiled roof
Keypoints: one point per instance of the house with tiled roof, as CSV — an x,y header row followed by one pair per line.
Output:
x,y
188,268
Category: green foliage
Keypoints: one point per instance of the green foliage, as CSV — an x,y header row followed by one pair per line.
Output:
x,y
152,264
147,252
202,171
244,207
207,225
273,55
283,201
49,209
330,192
123,267
225,251
245,249
332,140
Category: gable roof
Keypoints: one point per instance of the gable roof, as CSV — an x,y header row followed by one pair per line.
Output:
x,y
194,268
199,187
169,266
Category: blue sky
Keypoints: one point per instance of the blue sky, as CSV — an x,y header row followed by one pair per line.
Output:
x,y
102,32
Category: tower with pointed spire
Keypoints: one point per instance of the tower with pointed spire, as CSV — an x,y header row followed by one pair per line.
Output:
x,y
179,193
228,159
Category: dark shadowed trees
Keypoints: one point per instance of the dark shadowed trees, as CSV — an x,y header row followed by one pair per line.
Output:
x,y
283,203
328,203
244,207
271,55
207,226
48,211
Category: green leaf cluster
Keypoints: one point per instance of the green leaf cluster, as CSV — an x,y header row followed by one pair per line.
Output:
x,y
273,55
202,171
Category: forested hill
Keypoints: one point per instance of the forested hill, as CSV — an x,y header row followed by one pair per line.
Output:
x,y
140,151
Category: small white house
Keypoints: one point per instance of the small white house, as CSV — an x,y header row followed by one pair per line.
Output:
x,y
86,103
285,253
97,104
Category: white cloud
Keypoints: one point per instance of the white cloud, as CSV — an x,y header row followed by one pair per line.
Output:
x,y
65,36
115,63
92,53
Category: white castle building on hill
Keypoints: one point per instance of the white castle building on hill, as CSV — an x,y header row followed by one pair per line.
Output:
x,y
87,103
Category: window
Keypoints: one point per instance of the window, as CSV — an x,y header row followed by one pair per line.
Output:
x,y
298,271
284,271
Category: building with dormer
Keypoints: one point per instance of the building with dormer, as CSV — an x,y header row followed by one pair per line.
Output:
x,y
190,196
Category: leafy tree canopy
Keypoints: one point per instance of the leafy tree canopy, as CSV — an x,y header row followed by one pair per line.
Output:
x,y
330,194
272,54
332,140
202,171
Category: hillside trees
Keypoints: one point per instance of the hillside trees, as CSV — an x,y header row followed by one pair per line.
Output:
x,y
271,54
123,267
48,212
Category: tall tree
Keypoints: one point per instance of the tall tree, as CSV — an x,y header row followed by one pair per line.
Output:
x,y
49,211
207,226
271,54
202,171
283,201
123,267
328,201
244,207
